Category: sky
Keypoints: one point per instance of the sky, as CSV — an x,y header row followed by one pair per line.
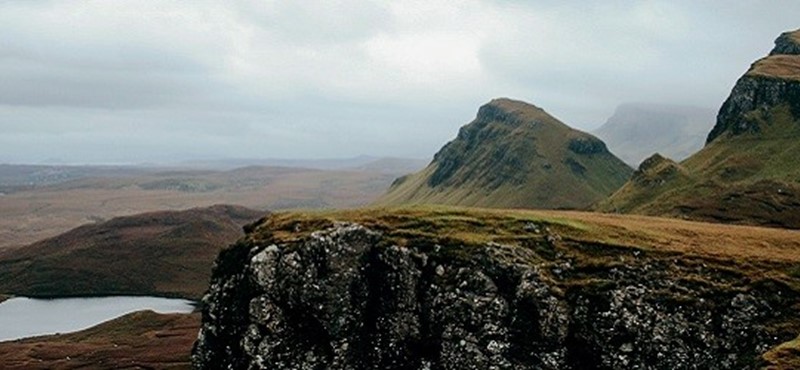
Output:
x,y
102,82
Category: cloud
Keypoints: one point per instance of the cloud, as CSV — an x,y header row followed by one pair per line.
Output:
x,y
160,80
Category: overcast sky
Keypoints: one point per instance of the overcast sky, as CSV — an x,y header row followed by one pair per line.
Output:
x,y
154,81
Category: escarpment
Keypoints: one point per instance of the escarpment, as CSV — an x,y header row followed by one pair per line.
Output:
x,y
747,172
771,82
456,289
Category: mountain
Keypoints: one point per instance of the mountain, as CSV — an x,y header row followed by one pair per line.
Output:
x,y
159,253
514,155
748,171
434,287
635,131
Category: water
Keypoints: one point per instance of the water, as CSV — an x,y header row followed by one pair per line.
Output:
x,y
26,317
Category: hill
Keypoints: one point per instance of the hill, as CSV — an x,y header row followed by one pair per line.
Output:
x,y
635,131
140,340
458,288
514,155
747,172
159,253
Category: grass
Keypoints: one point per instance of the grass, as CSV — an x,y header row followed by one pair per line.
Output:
x,y
749,248
785,356
777,66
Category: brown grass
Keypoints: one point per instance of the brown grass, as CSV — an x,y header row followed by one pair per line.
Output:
x,y
784,357
155,253
780,66
705,239
485,225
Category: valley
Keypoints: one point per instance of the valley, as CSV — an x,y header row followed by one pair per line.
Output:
x,y
41,202
667,237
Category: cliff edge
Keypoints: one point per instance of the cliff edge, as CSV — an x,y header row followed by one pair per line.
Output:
x,y
444,288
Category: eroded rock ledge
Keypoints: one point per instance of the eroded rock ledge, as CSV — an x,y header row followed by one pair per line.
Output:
x,y
347,297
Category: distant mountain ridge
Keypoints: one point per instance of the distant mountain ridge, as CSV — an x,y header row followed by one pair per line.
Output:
x,y
358,163
637,130
748,171
514,155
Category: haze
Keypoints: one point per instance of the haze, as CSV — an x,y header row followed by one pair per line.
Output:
x,y
133,81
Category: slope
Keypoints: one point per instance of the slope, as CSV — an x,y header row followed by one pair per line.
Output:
x,y
158,253
748,170
514,155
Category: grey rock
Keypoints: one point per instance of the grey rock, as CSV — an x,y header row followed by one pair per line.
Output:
x,y
347,298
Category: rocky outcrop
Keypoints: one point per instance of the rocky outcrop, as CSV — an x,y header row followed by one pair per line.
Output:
x,y
788,43
751,97
770,82
348,297
656,171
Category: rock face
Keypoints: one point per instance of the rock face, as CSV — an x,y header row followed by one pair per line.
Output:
x,y
348,297
770,82
514,155
747,172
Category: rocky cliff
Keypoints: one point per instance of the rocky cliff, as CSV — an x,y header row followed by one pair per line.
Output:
x,y
456,289
747,172
770,82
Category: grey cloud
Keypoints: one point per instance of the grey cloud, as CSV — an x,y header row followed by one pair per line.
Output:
x,y
94,81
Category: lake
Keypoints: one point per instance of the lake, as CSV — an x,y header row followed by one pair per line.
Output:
x,y
22,317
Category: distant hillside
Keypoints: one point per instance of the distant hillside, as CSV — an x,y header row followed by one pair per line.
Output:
x,y
636,131
326,164
748,171
139,340
62,198
158,253
514,155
